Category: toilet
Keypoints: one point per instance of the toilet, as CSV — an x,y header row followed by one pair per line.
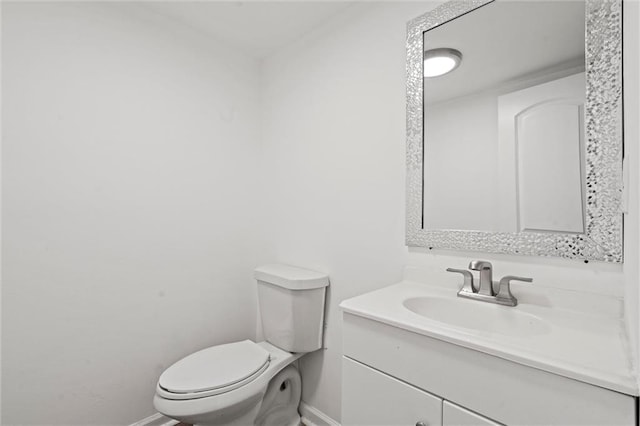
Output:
x,y
246,383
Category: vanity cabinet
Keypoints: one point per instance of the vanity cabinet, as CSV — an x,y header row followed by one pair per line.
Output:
x,y
394,376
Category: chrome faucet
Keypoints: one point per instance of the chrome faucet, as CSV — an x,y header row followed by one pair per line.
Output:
x,y
484,290
486,276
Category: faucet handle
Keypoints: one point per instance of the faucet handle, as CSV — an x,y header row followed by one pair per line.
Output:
x,y
504,289
467,286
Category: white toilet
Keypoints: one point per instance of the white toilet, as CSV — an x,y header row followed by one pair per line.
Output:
x,y
246,383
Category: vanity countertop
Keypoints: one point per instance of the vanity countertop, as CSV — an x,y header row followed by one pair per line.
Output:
x,y
585,346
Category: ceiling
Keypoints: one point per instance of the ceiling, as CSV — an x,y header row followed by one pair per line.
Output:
x,y
256,28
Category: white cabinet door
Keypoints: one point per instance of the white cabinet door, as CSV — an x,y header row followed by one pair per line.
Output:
x,y
453,415
371,398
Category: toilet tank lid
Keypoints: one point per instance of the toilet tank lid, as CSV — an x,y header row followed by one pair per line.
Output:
x,y
291,277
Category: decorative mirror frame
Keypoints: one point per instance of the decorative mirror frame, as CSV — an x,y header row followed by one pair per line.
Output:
x,y
602,240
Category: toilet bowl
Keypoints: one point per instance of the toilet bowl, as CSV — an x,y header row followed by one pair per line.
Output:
x,y
236,402
246,383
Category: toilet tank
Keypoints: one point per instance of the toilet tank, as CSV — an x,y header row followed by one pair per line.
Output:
x,y
291,303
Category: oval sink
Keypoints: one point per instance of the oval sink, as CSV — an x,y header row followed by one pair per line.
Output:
x,y
477,316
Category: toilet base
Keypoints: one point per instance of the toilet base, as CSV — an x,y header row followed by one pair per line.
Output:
x,y
280,403
279,406
246,419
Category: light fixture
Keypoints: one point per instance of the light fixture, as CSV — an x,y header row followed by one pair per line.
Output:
x,y
440,61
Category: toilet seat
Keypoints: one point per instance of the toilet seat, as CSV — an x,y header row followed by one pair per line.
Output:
x,y
214,371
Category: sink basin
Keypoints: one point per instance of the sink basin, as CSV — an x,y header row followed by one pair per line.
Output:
x,y
477,316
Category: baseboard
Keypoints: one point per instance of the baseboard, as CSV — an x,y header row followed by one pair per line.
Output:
x,y
311,416
155,420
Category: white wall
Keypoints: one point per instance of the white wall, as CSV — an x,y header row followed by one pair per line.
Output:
x,y
130,208
335,145
334,132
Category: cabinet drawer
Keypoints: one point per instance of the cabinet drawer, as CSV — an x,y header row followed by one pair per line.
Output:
x,y
371,398
453,415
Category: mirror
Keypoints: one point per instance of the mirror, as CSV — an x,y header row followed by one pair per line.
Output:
x,y
518,148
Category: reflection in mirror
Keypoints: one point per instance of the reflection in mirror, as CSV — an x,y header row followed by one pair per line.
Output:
x,y
514,144
503,132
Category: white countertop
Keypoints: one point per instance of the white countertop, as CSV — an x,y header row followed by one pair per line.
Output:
x,y
582,345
